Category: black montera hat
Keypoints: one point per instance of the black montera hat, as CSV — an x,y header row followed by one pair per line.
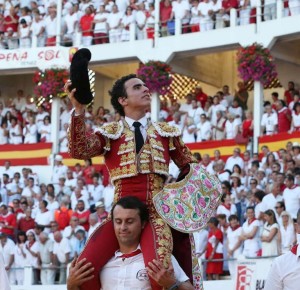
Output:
x,y
79,76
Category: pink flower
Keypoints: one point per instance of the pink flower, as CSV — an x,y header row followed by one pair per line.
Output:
x,y
207,183
165,208
201,202
180,209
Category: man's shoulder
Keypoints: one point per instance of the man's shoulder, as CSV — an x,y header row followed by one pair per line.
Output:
x,y
112,130
166,130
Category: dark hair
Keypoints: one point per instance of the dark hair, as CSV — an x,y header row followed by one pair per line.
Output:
x,y
213,221
223,197
118,90
197,155
21,233
255,163
296,105
45,202
132,202
249,207
275,94
50,185
259,194
233,217
227,184
5,175
290,177
238,167
282,204
221,216
271,213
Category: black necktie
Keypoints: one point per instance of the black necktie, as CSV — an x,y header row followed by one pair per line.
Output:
x,y
139,140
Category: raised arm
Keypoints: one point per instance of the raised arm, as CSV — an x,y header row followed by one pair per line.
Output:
x,y
82,144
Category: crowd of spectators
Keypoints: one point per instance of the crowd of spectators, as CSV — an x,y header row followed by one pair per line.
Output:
x,y
46,226
200,117
103,21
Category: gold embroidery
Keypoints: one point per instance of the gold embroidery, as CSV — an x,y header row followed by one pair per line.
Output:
x,y
112,130
122,172
127,159
126,147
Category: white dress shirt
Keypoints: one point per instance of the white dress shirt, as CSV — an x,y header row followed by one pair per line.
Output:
x,y
130,273
143,128
284,272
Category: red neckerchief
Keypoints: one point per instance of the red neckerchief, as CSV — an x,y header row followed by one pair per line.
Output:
x,y
30,244
250,222
132,254
294,186
227,206
235,228
222,171
294,249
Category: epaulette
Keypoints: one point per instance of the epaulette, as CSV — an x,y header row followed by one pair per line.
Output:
x,y
166,130
111,130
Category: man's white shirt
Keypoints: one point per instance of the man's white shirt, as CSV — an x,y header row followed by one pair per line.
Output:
x,y
131,274
284,272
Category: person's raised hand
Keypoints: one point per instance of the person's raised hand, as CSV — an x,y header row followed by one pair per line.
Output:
x,y
165,277
79,273
79,108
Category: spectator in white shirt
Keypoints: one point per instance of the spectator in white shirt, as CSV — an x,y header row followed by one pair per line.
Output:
x,y
44,217
95,191
30,190
287,233
295,125
37,29
235,159
226,207
291,196
70,231
70,25
231,127
61,251
203,129
195,112
250,234
188,132
59,170
234,243
285,269
50,26
270,200
205,13
45,130
180,11
30,132
94,223
7,247
3,275
114,25
140,17
126,22
269,121
100,29
46,259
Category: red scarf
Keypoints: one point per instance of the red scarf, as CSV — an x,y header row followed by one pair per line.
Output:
x,y
227,206
251,221
235,228
132,254
294,249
